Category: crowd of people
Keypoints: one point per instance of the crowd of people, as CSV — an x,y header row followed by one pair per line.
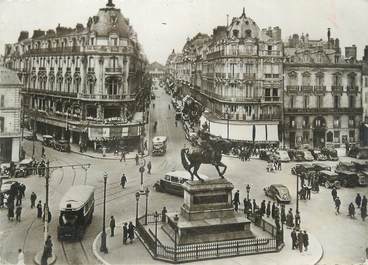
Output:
x,y
360,202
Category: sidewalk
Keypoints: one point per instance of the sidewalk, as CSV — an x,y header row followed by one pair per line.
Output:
x,y
137,254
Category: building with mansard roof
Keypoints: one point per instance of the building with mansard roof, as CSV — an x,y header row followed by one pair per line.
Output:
x,y
323,93
84,83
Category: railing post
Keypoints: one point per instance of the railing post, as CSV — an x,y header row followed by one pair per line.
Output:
x,y
237,247
217,249
197,252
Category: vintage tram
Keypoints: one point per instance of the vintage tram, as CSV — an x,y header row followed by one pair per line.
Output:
x,y
76,211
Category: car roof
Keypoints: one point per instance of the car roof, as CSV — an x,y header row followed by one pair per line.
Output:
x,y
47,136
279,186
327,172
305,165
346,172
26,161
77,196
159,139
183,174
63,141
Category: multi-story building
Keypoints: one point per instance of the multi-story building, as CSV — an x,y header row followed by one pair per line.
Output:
x,y
10,107
322,97
156,70
236,73
364,129
83,83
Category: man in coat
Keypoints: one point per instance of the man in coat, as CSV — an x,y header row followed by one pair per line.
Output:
x,y
125,233
305,240
236,200
300,241
149,166
334,193
358,200
123,181
294,238
18,212
112,225
268,209
337,205
263,208
33,199
39,209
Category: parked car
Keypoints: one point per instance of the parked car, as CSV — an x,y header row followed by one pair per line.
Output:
x,y
317,155
283,155
173,182
278,192
348,178
48,140
321,166
62,145
302,168
24,168
329,179
5,169
7,186
330,152
267,155
358,152
308,155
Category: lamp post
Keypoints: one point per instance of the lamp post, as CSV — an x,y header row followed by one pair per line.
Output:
x,y
46,213
227,119
156,219
248,190
34,133
103,247
146,193
297,193
142,164
137,195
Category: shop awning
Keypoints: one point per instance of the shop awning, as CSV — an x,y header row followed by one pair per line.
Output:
x,y
241,132
272,133
260,133
218,129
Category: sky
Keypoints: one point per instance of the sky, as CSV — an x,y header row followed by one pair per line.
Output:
x,y
164,25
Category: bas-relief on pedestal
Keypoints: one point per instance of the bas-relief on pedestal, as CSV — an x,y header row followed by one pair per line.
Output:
x,y
207,214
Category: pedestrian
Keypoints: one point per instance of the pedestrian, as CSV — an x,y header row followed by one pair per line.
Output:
x,y
33,199
22,188
123,181
236,201
2,197
268,209
43,151
337,205
351,210
300,241
334,193
290,219
149,166
294,239
245,202
39,209
131,228
358,200
363,213
20,257
279,165
136,159
112,225
103,151
254,206
297,220
49,245
19,198
169,106
163,215
308,192
263,208
305,240
122,156
364,202
18,212
125,233
273,210
145,145
10,211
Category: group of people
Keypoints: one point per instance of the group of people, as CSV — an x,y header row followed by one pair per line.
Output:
x,y
299,239
361,203
13,201
273,165
128,230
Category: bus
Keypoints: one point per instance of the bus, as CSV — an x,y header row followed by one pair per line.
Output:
x,y
76,211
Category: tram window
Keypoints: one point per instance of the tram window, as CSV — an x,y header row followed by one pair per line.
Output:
x,y
69,219
174,179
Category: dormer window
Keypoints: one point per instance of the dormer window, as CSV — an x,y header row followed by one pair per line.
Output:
x,y
248,33
235,33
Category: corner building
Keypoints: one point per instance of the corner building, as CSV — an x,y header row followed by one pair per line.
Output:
x,y
83,83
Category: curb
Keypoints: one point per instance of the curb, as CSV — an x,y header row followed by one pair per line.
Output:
x,y
104,158
37,258
323,253
95,252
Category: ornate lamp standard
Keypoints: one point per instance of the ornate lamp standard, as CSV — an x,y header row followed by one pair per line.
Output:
x,y
142,164
248,190
103,247
227,112
137,195
156,218
146,193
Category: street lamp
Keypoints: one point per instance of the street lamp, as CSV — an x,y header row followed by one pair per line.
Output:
x,y
142,164
146,193
227,118
156,218
137,195
34,135
103,247
297,193
248,190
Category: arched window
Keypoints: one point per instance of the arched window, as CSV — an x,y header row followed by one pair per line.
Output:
x,y
306,79
329,136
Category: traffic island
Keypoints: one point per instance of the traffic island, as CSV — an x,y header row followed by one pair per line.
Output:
x,y
50,260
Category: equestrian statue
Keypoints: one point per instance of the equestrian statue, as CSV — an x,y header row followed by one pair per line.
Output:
x,y
208,151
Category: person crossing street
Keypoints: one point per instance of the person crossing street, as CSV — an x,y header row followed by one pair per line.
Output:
x,y
33,199
112,225
123,181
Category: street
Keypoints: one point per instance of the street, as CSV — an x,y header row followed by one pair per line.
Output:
x,y
343,239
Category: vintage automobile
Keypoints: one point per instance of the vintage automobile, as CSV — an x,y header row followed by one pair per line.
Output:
x,y
329,179
5,169
321,166
362,169
283,156
24,168
62,145
278,192
317,155
267,155
330,152
308,155
358,152
7,186
173,181
48,140
348,178
159,144
302,168
296,155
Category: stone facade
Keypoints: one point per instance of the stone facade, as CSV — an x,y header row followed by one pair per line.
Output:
x,y
82,83
10,107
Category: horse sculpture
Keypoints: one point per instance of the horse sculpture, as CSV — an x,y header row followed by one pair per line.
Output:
x,y
209,152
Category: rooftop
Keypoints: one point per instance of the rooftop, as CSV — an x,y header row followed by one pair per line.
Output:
x,y
8,77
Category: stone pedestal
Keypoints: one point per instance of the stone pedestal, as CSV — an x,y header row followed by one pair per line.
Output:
x,y
207,214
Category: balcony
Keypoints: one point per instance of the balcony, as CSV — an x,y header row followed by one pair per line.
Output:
x,y
352,89
51,93
115,70
336,89
292,89
270,117
270,53
351,111
249,76
306,89
270,99
320,89
104,97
